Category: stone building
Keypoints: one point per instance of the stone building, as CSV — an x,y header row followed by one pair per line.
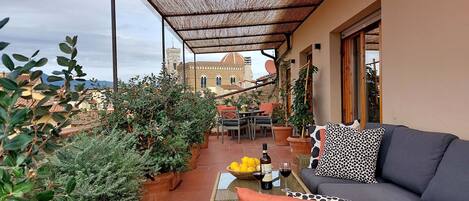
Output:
x,y
232,73
173,59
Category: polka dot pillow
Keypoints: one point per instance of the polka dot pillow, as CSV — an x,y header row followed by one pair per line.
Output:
x,y
317,145
350,154
318,140
305,196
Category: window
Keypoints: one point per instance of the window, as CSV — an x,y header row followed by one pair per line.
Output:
x,y
361,76
232,80
203,81
218,80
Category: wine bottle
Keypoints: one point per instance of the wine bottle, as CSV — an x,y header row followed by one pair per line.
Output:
x,y
266,167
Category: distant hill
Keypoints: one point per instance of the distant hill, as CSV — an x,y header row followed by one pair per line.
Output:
x,y
88,84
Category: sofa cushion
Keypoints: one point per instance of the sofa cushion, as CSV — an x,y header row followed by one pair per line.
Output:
x,y
312,181
245,194
368,192
350,154
451,180
234,122
413,157
385,142
263,120
318,135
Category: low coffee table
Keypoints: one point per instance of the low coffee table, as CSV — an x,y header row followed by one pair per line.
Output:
x,y
225,184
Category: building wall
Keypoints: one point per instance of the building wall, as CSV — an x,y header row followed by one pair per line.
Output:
x,y
426,64
424,55
211,72
323,27
173,58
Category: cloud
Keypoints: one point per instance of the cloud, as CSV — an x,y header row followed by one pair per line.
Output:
x,y
43,24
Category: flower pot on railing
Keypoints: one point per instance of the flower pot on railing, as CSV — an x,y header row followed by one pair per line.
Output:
x,y
158,189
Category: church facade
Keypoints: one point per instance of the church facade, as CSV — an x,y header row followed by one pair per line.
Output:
x,y
232,73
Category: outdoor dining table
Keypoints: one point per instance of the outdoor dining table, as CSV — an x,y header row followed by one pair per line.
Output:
x,y
249,114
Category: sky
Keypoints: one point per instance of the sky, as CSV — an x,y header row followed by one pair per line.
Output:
x,y
44,24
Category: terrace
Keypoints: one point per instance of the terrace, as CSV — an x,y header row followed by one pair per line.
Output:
x,y
353,92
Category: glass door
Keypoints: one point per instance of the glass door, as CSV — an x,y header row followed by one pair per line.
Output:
x,y
361,77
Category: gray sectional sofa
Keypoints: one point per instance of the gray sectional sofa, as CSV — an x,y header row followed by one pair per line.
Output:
x,y
412,165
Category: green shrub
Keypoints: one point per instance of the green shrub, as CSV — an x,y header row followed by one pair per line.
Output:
x,y
23,139
105,167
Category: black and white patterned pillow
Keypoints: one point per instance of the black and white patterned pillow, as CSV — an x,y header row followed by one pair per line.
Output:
x,y
350,154
305,196
315,145
355,124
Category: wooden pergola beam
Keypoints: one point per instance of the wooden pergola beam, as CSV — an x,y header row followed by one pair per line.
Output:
x,y
241,11
239,26
240,44
244,50
238,36
171,25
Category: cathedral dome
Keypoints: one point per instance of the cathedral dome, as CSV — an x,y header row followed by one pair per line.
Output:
x,y
233,58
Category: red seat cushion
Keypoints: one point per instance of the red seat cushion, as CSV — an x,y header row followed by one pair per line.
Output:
x,y
268,108
245,194
227,115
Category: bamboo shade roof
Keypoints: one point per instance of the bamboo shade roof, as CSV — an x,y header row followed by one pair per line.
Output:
x,y
210,26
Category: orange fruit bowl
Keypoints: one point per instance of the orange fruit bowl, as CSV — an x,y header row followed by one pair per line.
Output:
x,y
241,175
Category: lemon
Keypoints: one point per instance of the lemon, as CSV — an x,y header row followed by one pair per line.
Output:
x,y
243,169
251,162
258,168
244,165
245,159
236,169
234,165
257,161
251,169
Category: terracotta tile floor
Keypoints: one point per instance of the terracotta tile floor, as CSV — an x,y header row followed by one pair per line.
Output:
x,y
197,184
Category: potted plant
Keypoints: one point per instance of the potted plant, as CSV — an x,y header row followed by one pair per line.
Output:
x,y
208,115
302,111
103,164
159,129
281,129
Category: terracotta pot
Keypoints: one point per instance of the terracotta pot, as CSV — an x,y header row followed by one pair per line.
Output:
x,y
300,145
204,145
175,181
197,150
281,134
158,190
192,163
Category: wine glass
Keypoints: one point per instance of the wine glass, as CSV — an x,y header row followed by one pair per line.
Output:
x,y
285,171
259,175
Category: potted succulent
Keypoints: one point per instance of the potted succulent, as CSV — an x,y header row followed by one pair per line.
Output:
x,y
302,112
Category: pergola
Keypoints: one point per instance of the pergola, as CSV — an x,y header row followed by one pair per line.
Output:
x,y
214,26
